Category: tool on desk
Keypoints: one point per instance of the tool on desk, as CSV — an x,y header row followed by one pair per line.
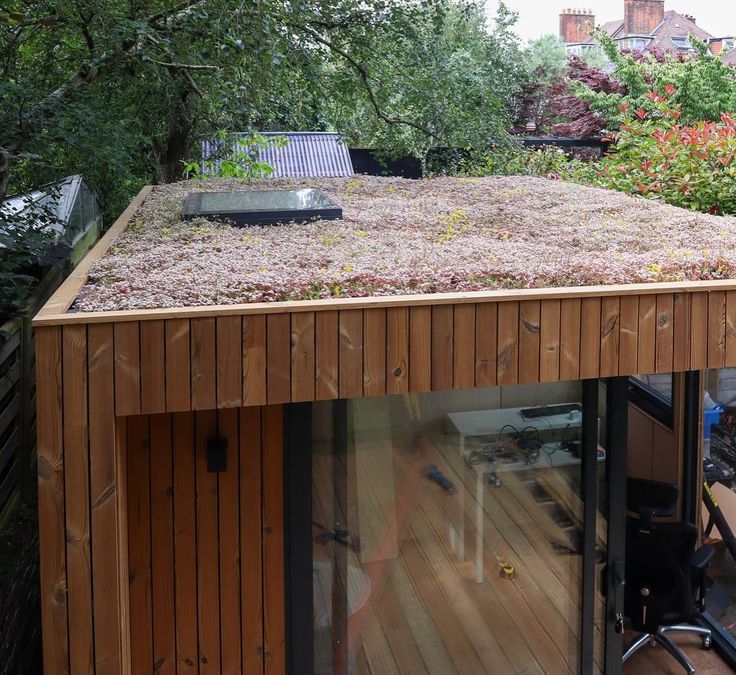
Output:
x,y
551,410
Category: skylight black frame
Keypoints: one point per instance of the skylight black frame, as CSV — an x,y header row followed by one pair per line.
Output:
x,y
245,218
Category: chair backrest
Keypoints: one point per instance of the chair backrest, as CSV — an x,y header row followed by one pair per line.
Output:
x,y
650,498
659,589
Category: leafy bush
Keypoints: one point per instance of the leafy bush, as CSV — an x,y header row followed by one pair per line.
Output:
x,y
238,159
516,160
658,157
703,86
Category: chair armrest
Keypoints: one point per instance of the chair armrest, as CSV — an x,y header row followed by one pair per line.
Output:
x,y
702,557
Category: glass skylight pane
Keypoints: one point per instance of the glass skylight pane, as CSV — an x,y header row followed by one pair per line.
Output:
x,y
262,207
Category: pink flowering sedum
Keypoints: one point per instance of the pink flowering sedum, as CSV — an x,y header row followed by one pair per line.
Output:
x,y
405,237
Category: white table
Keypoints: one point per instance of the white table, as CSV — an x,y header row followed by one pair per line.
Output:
x,y
490,423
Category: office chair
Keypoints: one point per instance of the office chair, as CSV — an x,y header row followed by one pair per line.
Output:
x,y
665,575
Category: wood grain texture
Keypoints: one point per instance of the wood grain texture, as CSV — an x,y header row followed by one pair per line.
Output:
x,y
397,350
731,327
127,369
139,545
549,341
375,349
229,545
681,340
178,366
107,500
529,341
665,333
628,359
570,339
185,544
442,347
162,545
351,354
274,621
590,338
122,567
507,359
153,367
76,487
254,360
203,364
716,329
647,334
208,561
229,362
251,566
699,331
486,335
463,351
420,349
610,336
303,357
52,527
278,358
327,356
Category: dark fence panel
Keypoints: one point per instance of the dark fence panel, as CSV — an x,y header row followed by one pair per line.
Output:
x,y
20,607
18,402
371,162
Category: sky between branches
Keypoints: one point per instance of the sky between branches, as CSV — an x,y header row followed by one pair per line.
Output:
x,y
540,17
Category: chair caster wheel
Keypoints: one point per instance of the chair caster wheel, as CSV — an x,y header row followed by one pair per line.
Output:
x,y
707,643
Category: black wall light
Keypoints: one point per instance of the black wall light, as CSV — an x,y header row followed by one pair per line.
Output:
x,y
217,455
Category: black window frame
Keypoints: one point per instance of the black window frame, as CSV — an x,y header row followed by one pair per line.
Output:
x,y
650,401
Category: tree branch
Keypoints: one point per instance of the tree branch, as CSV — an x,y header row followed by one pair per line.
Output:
x,y
365,79
181,66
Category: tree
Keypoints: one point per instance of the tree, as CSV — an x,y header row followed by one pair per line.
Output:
x,y
123,89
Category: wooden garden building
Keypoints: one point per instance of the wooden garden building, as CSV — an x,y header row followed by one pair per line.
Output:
x,y
395,439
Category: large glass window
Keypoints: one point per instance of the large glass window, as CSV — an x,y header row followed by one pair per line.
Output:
x,y
719,449
447,532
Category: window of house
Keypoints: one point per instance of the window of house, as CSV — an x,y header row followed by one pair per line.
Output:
x,y
681,42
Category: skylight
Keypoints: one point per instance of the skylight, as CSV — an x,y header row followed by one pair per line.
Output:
x,y
261,207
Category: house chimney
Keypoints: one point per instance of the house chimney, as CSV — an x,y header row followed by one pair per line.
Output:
x,y
641,17
576,25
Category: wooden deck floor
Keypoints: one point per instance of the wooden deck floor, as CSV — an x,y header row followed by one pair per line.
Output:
x,y
425,613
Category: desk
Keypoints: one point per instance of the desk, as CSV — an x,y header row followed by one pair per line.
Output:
x,y
490,423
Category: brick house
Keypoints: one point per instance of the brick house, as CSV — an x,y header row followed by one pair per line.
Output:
x,y
646,25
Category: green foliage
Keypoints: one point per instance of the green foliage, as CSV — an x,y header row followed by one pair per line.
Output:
x,y
657,157
28,243
123,91
436,64
654,156
704,86
545,59
516,160
235,158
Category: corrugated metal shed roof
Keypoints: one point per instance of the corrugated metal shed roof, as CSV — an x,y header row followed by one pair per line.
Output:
x,y
306,154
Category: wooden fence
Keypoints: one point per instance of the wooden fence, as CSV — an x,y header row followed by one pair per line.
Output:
x,y
18,401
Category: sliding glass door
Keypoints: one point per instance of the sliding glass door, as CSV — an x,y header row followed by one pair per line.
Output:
x,y
452,532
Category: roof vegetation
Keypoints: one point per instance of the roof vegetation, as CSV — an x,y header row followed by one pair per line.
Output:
x,y
403,236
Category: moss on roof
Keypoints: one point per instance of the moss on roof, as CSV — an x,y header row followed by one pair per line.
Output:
x,y
401,236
